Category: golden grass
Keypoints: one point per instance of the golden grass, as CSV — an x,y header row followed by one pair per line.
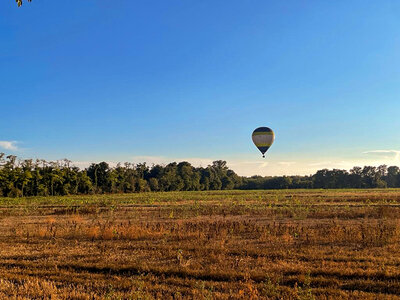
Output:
x,y
303,244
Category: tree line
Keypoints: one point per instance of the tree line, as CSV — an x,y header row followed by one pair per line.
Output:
x,y
29,177
366,177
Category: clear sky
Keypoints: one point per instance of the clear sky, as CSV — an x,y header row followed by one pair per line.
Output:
x,y
159,81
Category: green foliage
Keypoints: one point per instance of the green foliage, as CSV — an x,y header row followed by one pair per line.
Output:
x,y
367,177
20,178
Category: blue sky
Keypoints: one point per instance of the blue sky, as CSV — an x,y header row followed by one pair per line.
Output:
x,y
159,81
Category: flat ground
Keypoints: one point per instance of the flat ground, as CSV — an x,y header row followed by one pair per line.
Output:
x,y
293,244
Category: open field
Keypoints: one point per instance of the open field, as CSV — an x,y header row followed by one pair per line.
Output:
x,y
293,244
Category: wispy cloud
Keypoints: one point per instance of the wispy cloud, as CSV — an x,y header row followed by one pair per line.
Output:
x,y
395,152
286,163
9,145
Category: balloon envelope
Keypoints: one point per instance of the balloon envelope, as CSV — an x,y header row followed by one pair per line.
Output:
x,y
263,137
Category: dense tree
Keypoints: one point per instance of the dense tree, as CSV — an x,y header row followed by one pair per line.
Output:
x,y
20,178
100,176
355,177
393,177
190,178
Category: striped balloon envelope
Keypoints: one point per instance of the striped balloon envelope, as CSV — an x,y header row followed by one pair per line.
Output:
x,y
263,138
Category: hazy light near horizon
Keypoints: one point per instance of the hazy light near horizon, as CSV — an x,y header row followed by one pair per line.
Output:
x,y
396,152
250,167
246,165
253,167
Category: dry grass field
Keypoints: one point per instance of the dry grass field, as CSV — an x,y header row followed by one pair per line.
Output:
x,y
293,244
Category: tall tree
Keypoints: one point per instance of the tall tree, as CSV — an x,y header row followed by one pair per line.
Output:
x,y
99,174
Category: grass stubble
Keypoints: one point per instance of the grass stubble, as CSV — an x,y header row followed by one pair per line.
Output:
x,y
293,244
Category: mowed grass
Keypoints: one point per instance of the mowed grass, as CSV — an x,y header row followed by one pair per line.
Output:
x,y
292,244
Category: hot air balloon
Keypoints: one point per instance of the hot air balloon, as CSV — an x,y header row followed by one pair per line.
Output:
x,y
263,137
